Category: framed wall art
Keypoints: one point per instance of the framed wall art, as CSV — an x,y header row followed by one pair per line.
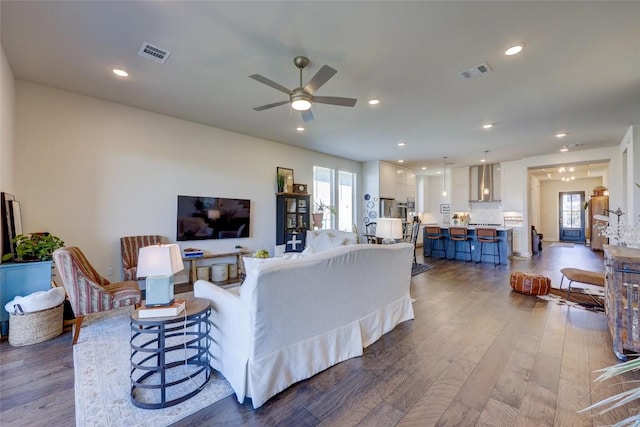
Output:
x,y
287,182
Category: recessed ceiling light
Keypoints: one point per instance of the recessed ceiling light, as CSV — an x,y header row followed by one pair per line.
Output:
x,y
300,129
424,168
120,73
487,126
561,134
401,144
514,50
374,101
564,149
400,161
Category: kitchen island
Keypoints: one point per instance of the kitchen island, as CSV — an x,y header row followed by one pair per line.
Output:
x,y
505,237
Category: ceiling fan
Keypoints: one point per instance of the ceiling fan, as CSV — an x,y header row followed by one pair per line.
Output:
x,y
301,98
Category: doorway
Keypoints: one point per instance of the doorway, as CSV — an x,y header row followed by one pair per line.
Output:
x,y
571,227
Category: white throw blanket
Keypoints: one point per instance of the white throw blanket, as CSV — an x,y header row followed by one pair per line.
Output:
x,y
36,301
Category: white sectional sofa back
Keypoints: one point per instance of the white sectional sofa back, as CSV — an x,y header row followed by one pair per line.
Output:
x,y
294,318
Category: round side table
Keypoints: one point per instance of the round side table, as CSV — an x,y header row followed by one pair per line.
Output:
x,y
170,356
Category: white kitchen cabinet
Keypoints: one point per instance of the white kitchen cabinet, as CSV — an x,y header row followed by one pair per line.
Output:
x,y
387,181
401,193
411,178
460,189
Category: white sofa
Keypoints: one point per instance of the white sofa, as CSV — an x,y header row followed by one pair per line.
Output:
x,y
293,318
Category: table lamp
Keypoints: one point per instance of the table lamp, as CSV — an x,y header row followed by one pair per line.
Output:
x,y
389,229
158,263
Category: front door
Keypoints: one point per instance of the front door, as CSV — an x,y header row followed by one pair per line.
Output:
x,y
572,216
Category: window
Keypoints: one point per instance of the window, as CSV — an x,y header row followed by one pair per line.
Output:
x,y
346,199
340,197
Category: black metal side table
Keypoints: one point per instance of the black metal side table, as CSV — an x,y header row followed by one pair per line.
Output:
x,y
170,356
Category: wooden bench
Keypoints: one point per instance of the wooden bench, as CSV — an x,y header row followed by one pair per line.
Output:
x,y
582,276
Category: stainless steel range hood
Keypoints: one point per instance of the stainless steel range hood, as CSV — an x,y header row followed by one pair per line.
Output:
x,y
484,183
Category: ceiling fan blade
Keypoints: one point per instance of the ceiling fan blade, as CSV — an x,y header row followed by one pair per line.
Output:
x,y
275,104
335,100
270,83
307,115
322,76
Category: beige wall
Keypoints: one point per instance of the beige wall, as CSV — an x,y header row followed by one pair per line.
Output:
x,y
7,84
550,204
91,171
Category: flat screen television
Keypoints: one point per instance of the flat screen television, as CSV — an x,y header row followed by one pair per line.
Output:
x,y
205,218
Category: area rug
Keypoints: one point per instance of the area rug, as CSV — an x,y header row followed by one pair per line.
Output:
x,y
561,245
588,299
102,384
420,268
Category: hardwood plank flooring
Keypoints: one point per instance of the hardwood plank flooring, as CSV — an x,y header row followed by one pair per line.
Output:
x,y
477,354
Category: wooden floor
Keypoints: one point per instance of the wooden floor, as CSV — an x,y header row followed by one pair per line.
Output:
x,y
476,354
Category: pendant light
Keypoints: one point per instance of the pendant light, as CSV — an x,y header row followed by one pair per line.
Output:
x,y
444,175
485,190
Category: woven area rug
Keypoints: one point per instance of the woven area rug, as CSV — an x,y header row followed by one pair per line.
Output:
x,y
561,245
587,299
102,384
420,268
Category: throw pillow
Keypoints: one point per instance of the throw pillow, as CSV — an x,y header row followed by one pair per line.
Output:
x,y
294,242
252,265
323,242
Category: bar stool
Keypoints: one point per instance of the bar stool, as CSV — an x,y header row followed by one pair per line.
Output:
x,y
434,235
459,234
490,236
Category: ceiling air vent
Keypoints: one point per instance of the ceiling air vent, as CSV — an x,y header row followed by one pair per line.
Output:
x,y
154,53
476,71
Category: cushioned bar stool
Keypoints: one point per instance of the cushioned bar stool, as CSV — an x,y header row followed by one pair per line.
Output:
x,y
434,235
488,236
459,234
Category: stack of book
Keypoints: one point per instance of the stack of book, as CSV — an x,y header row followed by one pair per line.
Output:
x,y
177,307
192,253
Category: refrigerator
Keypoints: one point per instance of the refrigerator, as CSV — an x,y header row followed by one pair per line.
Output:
x,y
388,208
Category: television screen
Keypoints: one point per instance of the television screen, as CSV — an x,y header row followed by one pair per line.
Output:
x,y
204,218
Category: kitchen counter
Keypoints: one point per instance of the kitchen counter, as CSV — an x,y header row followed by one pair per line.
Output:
x,y
505,237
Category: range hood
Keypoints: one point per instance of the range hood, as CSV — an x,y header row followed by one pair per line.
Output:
x,y
484,183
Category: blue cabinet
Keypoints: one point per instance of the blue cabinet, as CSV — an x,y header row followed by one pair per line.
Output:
x,y
21,279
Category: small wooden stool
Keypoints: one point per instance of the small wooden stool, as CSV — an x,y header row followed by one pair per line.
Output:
x,y
582,276
529,283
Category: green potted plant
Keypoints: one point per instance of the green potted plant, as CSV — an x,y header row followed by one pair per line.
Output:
x,y
281,179
34,247
322,207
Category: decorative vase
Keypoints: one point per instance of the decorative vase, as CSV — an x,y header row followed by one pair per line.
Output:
x,y
317,220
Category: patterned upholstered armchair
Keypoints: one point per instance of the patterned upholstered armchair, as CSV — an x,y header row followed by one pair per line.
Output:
x,y
130,246
89,292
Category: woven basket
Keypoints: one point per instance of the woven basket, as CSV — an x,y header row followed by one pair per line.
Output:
x,y
35,327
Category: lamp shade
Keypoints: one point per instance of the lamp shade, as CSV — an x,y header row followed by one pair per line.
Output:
x,y
389,228
159,260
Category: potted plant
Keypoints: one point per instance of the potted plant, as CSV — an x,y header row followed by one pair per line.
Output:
x,y
34,247
320,208
281,178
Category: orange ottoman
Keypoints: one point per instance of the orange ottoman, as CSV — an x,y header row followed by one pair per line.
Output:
x,y
530,284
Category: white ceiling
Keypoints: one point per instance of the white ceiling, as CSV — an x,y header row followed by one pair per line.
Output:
x,y
579,72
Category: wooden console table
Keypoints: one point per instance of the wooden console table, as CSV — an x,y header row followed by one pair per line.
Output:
x,y
622,297
193,275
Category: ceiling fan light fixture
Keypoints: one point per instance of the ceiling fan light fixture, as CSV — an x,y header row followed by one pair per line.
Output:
x,y
300,101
